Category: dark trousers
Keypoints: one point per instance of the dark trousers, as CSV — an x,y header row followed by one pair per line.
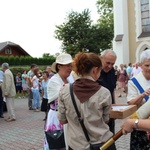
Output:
x,y
30,97
1,103
111,125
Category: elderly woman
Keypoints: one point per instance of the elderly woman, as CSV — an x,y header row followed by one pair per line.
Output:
x,y
138,94
93,102
63,68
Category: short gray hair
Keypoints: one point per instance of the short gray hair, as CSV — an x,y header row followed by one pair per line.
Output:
x,y
5,65
145,55
111,52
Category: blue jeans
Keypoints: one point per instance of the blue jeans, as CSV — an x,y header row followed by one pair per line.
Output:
x,y
36,98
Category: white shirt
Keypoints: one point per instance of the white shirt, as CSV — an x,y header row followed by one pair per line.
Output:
x,y
135,71
35,82
133,91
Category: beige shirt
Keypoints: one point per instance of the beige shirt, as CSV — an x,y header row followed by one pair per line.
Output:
x,y
95,112
8,86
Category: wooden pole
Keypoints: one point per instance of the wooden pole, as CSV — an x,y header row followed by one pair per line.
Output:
x,y
111,140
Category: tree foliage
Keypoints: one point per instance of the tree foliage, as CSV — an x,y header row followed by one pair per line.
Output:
x,y
106,20
105,9
74,32
79,33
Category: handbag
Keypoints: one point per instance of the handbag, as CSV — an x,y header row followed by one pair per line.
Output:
x,y
139,140
92,146
55,139
95,146
54,132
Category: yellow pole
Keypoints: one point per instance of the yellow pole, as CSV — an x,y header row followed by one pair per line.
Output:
x,y
111,140
107,144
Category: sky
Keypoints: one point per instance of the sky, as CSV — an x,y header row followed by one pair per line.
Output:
x,y
31,23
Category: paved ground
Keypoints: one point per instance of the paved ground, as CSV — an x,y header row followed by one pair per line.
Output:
x,y
123,143
26,133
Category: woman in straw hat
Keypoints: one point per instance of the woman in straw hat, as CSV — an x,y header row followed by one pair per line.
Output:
x,y
63,67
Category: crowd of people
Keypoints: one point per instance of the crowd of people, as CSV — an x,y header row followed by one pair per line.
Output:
x,y
123,73
77,98
85,71
31,84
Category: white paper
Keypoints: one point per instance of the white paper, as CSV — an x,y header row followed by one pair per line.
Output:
x,y
118,108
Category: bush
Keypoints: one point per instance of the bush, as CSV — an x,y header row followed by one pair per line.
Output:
x,y
16,69
26,60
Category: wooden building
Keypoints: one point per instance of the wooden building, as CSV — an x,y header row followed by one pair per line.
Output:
x,y
11,49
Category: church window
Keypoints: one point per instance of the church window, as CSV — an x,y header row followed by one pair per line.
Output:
x,y
145,15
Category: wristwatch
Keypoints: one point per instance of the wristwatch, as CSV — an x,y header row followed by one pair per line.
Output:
x,y
136,123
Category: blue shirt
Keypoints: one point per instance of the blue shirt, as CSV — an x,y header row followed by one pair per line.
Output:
x,y
18,81
44,87
129,70
23,79
1,75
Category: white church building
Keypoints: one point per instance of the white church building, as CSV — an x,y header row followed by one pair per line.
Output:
x,y
131,29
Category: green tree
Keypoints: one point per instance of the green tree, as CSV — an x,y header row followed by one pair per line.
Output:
x,y
106,20
74,33
46,55
78,33
105,9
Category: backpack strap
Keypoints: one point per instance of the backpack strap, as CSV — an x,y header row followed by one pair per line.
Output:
x,y
134,80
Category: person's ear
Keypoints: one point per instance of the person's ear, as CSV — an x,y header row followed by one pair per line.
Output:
x,y
95,70
100,57
58,66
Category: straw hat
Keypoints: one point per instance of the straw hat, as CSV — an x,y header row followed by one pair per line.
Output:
x,y
62,59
